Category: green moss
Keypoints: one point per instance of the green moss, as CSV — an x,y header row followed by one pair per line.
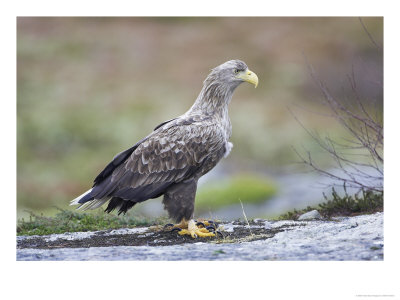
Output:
x,y
366,203
71,221
246,188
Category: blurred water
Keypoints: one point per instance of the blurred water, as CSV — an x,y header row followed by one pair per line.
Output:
x,y
297,191
294,191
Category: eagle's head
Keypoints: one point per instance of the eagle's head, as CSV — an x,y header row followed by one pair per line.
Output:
x,y
220,84
230,74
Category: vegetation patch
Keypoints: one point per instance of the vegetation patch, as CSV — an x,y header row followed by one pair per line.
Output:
x,y
246,188
72,221
367,203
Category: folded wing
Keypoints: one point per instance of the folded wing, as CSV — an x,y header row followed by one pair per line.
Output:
x,y
166,157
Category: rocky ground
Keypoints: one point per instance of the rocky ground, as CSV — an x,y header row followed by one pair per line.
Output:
x,y
342,238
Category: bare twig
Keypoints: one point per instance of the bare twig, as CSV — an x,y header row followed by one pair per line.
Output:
x,y
369,35
367,140
358,159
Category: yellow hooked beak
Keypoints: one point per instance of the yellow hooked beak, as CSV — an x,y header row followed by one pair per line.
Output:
x,y
248,76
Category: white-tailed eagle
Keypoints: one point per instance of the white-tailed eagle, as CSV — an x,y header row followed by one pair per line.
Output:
x,y
171,159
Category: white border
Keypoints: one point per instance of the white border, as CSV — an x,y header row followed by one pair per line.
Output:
x,y
194,280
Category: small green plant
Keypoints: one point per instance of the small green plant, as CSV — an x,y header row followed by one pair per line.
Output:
x,y
72,221
366,203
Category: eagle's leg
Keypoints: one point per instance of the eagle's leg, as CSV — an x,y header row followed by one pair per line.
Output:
x,y
179,202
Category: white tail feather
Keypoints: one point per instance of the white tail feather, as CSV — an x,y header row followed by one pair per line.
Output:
x,y
76,200
95,203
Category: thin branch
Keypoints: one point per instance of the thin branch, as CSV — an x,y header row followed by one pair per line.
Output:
x,y
369,35
366,133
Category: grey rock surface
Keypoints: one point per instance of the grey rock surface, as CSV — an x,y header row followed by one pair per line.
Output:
x,y
311,215
349,238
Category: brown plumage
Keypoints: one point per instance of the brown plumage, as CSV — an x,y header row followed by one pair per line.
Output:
x,y
171,159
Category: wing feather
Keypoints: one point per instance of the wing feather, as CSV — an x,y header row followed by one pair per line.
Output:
x,y
167,156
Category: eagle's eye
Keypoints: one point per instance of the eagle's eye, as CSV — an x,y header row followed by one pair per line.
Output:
x,y
236,71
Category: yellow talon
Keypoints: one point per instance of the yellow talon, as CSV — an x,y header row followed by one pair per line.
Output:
x,y
195,231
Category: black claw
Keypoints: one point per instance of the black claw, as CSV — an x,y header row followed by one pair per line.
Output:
x,y
214,224
175,229
168,225
210,228
200,223
219,232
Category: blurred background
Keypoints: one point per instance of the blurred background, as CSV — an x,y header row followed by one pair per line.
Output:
x,y
88,88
